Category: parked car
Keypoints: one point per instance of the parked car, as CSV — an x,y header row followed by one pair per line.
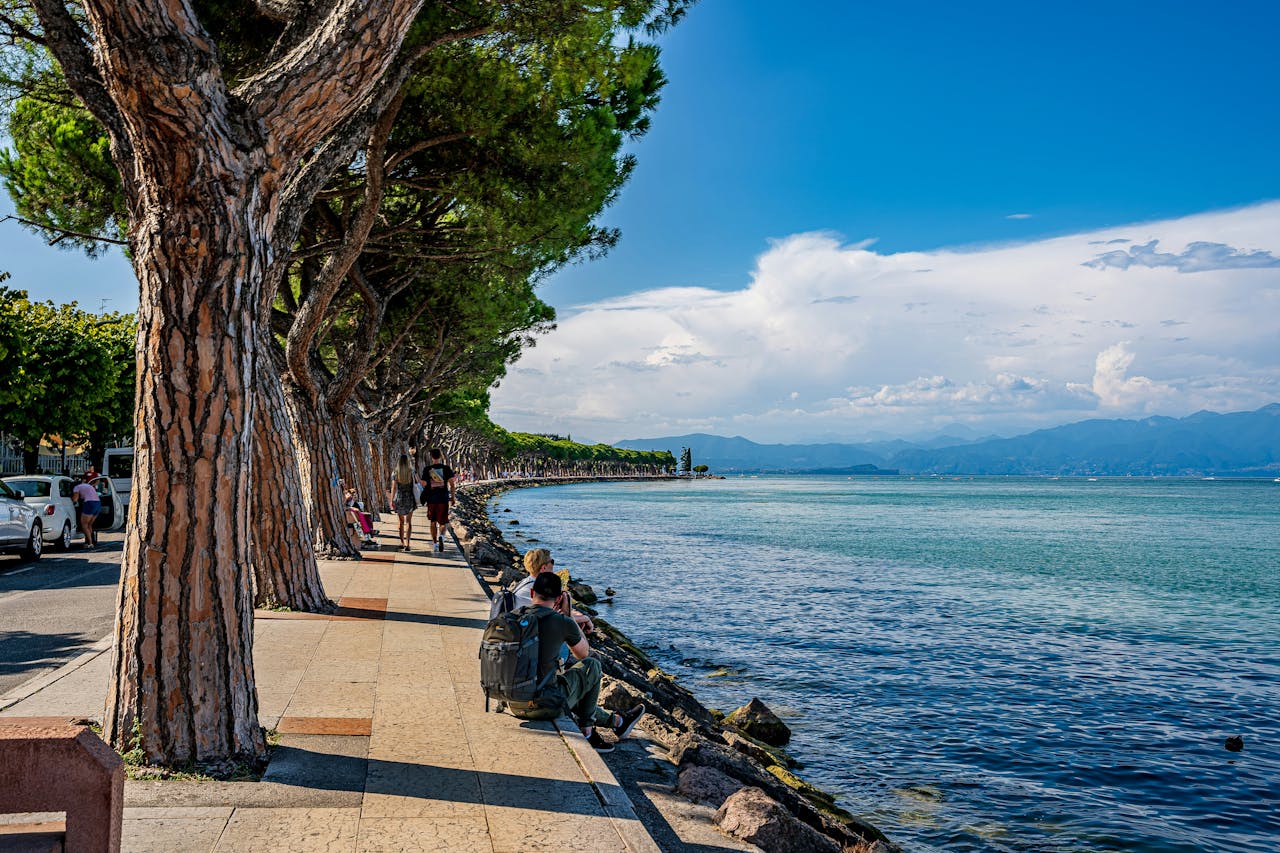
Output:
x,y
20,527
50,497
117,463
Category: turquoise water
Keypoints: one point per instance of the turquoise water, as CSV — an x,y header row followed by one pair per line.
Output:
x,y
985,664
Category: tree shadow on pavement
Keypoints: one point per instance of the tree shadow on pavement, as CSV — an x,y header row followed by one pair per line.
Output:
x,y
25,651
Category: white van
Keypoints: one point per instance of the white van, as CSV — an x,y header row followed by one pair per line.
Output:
x,y
118,465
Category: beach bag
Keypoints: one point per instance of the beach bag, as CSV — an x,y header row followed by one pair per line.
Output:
x,y
509,668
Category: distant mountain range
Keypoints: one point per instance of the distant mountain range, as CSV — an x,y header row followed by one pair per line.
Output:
x,y
1241,444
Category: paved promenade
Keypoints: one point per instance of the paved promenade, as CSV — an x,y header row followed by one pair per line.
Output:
x,y
384,741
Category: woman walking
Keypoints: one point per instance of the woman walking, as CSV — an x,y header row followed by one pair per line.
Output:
x,y
402,502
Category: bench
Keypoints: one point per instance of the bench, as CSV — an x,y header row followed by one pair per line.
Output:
x,y
51,764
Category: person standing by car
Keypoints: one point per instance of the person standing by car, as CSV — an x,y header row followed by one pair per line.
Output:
x,y
86,498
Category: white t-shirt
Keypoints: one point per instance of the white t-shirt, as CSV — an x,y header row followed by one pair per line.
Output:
x,y
522,591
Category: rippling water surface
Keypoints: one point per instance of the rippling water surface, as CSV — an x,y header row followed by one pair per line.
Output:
x,y
987,664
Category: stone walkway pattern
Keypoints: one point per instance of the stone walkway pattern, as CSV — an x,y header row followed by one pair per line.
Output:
x,y
385,744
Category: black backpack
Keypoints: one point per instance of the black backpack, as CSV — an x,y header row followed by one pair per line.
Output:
x,y
509,668
504,601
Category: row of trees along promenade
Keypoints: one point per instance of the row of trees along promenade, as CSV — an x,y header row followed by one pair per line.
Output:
x,y
337,213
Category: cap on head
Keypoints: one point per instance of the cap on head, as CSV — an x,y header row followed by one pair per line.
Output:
x,y
547,585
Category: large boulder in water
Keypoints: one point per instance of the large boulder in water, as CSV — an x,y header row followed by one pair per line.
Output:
x,y
756,720
753,816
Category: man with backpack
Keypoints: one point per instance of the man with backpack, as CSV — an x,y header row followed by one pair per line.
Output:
x,y
508,670
438,481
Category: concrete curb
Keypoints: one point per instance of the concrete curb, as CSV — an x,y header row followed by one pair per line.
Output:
x,y
29,688
617,805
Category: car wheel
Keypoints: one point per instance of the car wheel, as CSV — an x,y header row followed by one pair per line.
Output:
x,y
64,541
35,543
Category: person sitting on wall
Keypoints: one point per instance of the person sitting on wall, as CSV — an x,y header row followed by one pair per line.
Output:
x,y
579,683
536,562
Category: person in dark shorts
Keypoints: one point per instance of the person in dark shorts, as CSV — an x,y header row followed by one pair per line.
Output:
x,y
438,482
90,505
580,683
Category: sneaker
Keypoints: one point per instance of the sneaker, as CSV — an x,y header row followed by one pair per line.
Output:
x,y
599,743
629,720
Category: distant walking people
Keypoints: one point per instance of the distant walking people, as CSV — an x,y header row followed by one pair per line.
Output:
x,y
402,503
579,684
438,482
86,497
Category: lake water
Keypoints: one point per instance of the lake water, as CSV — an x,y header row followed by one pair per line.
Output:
x,y
976,664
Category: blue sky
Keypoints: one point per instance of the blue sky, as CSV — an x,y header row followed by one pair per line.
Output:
x,y
927,124
1022,133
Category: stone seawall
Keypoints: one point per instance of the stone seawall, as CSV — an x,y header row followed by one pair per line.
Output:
x,y
723,762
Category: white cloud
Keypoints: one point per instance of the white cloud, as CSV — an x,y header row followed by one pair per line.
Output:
x,y
1201,256
1018,216
835,339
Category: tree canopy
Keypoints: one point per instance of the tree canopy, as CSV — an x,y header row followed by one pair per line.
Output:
x,y
68,373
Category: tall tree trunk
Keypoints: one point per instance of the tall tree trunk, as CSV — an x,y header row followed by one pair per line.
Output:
x,y
284,559
205,172
182,683
362,476
317,448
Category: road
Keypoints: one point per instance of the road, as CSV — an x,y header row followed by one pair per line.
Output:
x,y
55,608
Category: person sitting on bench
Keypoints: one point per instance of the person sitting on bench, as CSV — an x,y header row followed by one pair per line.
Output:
x,y
361,521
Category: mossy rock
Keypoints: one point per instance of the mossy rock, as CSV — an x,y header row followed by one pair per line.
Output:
x,y
821,800
582,592
625,644
763,752
755,719
657,675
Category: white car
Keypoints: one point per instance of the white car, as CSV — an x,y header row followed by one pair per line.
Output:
x,y
50,497
117,463
20,527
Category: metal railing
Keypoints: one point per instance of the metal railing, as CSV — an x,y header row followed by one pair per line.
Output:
x,y
49,462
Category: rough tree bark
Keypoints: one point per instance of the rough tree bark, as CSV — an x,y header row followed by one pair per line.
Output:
x,y
206,172
318,449
284,560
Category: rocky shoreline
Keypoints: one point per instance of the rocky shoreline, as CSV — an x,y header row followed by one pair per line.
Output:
x,y
735,764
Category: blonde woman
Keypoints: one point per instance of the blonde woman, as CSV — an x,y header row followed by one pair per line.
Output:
x,y
537,561
402,502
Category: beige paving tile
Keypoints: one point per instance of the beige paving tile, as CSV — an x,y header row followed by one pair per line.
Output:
x,y
166,834
350,670
290,831
464,833
515,830
413,801
332,699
